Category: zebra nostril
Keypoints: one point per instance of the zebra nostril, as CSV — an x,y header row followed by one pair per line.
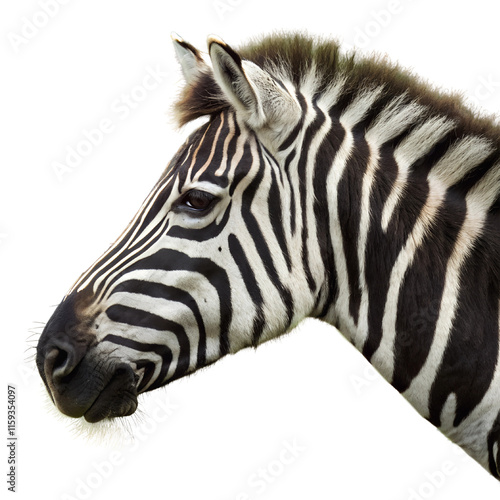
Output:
x,y
61,363
61,360
56,367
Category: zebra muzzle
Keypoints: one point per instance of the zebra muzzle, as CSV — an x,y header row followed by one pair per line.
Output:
x,y
117,399
83,392
79,388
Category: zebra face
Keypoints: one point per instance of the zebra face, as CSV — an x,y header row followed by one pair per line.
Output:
x,y
193,277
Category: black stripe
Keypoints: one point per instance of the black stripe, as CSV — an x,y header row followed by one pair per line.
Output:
x,y
421,293
166,292
161,350
304,158
471,354
149,370
274,206
206,233
181,169
324,162
203,153
231,147
242,169
259,240
295,132
476,174
277,170
349,209
143,319
121,251
123,265
217,147
494,437
380,243
288,161
173,260
251,285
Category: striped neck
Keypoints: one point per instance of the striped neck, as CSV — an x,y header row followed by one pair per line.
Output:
x,y
404,242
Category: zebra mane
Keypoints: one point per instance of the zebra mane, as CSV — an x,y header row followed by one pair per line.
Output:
x,y
297,56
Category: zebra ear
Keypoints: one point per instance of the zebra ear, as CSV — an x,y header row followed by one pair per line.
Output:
x,y
252,91
189,58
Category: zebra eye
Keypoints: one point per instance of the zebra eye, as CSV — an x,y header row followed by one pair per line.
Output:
x,y
197,200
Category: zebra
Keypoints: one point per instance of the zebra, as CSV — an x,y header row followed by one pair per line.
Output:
x,y
319,183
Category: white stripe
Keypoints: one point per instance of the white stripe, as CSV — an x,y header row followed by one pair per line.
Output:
x,y
332,94
461,158
414,146
393,120
383,358
213,147
229,136
361,104
195,155
139,217
355,112
481,419
314,257
157,225
478,202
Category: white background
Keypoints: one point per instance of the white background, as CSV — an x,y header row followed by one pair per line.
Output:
x,y
210,435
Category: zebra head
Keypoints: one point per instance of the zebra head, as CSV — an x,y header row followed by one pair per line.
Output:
x,y
213,261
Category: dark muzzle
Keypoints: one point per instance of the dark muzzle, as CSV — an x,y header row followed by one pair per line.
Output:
x,y
78,381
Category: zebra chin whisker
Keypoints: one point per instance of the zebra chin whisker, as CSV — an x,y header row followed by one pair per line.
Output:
x,y
116,431
33,339
30,349
109,432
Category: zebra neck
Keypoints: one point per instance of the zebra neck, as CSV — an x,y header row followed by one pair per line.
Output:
x,y
415,290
